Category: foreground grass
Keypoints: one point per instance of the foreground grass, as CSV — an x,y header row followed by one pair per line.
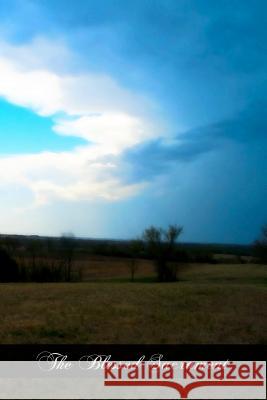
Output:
x,y
204,308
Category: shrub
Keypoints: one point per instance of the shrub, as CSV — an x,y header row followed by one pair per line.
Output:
x,y
9,270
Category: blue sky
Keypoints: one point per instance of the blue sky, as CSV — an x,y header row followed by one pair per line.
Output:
x,y
22,131
115,115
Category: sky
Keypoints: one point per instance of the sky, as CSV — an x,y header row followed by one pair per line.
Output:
x,y
120,114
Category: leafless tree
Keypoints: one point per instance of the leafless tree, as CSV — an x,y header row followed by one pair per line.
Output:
x,y
68,246
260,245
34,247
135,248
11,245
161,246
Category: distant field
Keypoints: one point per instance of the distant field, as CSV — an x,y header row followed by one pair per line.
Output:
x,y
210,304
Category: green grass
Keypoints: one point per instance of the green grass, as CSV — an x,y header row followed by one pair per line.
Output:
x,y
211,304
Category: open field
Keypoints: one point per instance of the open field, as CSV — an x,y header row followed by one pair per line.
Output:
x,y
210,304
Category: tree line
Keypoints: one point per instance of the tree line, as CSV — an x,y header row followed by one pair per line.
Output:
x,y
52,260
38,260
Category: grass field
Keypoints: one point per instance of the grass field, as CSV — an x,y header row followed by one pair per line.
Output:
x,y
210,304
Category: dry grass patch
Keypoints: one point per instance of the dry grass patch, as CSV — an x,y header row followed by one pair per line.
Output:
x,y
205,307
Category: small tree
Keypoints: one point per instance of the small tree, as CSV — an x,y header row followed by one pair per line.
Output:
x,y
161,246
67,247
34,249
135,248
260,245
11,245
9,271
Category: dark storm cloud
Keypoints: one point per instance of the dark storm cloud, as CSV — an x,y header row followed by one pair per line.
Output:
x,y
201,61
155,157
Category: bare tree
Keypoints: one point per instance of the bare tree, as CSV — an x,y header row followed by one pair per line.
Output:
x,y
135,249
260,245
11,245
161,245
67,247
51,252
9,271
34,248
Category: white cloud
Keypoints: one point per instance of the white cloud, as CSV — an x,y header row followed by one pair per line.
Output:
x,y
90,106
113,131
68,176
38,90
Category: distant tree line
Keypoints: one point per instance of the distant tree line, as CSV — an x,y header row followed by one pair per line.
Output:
x,y
38,259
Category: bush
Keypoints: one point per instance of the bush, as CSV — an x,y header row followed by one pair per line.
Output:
x,y
260,246
9,270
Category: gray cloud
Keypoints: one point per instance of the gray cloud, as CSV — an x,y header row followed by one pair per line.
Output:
x,y
153,158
